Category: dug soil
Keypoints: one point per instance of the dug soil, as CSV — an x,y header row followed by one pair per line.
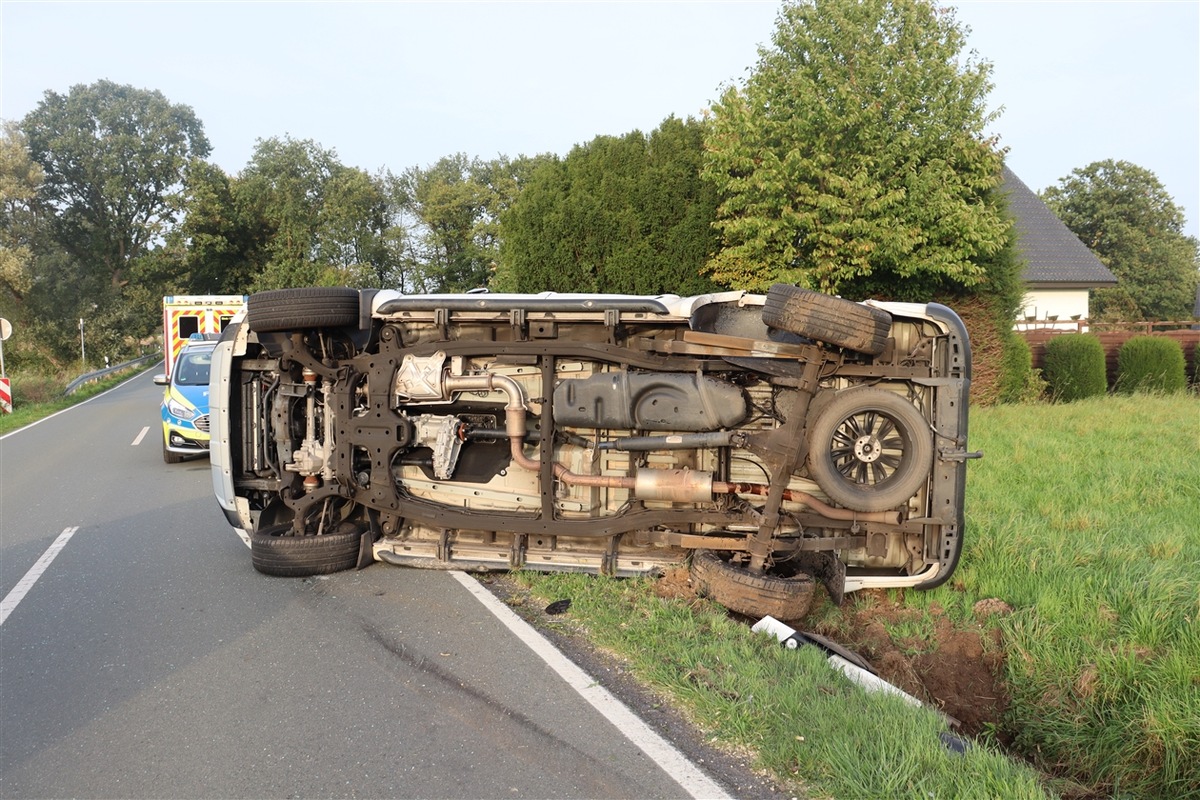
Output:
x,y
954,668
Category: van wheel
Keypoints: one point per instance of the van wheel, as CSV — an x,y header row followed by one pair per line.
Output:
x,y
750,593
869,449
289,309
828,319
274,551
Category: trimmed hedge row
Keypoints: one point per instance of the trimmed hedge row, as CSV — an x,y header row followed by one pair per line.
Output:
x,y
1151,364
1074,367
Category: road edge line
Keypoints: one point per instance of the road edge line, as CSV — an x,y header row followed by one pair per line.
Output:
x,y
668,758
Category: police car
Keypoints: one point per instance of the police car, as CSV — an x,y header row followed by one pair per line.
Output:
x,y
185,400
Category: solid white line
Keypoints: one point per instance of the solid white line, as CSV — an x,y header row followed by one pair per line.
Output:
x,y
141,436
14,597
662,752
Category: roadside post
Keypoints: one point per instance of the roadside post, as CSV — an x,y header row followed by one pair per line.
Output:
x,y
5,386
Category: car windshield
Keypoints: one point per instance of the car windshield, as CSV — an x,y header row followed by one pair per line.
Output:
x,y
192,369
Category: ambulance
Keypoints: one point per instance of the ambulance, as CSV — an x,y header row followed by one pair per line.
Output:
x,y
191,326
184,315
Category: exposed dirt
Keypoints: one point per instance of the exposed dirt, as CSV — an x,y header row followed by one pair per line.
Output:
x,y
955,669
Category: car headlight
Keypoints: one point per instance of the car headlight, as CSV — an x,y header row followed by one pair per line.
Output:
x,y
177,409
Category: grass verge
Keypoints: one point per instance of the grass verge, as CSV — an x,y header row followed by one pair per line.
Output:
x,y
36,396
1085,519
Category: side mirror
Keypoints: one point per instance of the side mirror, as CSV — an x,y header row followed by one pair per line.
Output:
x,y
160,380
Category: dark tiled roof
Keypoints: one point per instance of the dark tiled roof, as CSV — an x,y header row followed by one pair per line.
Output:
x,y
1054,257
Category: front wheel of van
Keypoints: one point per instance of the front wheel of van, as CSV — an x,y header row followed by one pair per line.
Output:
x,y
276,551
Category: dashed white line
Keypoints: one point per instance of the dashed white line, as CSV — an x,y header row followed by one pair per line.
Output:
x,y
690,777
14,597
140,436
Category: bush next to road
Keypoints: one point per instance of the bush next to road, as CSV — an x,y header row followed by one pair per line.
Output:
x,y
1151,363
1074,367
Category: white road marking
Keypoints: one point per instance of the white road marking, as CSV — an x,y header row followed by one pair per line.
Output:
x,y
14,597
662,752
140,436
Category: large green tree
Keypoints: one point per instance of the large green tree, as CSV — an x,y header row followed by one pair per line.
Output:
x,y
20,178
1124,214
856,151
618,214
451,211
114,158
305,219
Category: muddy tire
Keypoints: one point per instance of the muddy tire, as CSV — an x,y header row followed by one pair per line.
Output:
x,y
828,319
869,449
749,593
274,552
290,309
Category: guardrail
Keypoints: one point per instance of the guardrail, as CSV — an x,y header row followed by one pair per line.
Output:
x,y
100,373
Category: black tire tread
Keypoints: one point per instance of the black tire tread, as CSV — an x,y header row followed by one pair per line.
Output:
x,y
314,307
172,458
301,556
828,319
752,594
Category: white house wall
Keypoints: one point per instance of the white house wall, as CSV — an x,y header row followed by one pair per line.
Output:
x,y
1053,308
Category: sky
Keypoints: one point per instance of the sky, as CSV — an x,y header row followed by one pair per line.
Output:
x,y
400,84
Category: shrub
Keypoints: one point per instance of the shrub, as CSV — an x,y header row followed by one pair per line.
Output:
x,y
1074,367
1151,364
1019,382
36,387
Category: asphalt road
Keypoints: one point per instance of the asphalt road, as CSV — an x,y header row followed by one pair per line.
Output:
x,y
150,660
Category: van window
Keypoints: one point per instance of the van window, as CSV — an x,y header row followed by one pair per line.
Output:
x,y
188,326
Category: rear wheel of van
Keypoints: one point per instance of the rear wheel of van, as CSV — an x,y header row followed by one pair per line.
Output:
x,y
290,309
750,593
275,551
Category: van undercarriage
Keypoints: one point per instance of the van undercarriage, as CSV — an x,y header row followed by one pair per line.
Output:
x,y
771,441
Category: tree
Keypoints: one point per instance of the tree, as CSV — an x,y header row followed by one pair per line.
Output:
x,y
305,219
20,178
1126,217
114,159
452,208
283,188
856,150
618,214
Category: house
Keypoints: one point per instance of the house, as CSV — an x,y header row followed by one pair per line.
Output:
x,y
1059,269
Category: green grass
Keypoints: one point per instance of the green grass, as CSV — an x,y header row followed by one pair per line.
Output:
x,y
1085,518
812,728
36,396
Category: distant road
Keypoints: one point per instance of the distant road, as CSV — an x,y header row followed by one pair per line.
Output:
x,y
142,656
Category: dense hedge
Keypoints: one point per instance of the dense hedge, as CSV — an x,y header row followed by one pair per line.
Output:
x,y
1074,367
1018,381
1151,364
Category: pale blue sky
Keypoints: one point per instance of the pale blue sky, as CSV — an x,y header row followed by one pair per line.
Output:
x,y
398,84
